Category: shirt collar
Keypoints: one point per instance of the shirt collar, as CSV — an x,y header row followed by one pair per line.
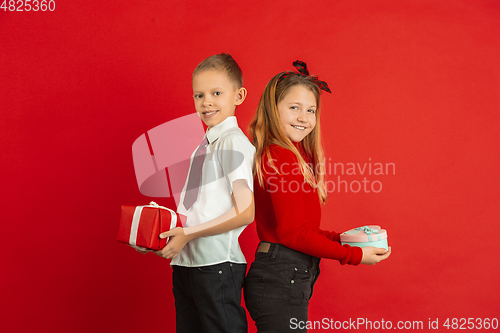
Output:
x,y
215,132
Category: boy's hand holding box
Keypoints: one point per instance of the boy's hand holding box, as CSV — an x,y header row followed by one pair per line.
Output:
x,y
370,235
140,226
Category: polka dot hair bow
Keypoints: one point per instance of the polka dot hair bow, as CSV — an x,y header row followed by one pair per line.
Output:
x,y
302,70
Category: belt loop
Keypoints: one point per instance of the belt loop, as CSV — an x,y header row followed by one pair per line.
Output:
x,y
275,251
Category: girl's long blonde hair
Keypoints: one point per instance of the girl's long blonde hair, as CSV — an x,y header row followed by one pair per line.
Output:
x,y
266,130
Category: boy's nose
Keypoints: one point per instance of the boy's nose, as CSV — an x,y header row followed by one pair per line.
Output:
x,y
207,102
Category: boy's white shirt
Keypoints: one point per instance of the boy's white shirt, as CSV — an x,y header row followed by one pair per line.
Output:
x,y
214,197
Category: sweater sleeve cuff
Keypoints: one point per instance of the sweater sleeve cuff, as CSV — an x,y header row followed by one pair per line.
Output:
x,y
353,257
357,256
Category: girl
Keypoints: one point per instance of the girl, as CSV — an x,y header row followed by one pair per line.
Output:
x,y
289,189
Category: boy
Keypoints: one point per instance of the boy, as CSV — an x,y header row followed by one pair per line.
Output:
x,y
207,262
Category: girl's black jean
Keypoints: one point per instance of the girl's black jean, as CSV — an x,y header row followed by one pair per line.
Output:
x,y
278,288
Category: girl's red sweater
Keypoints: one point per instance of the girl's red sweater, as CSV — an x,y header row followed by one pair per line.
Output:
x,y
288,211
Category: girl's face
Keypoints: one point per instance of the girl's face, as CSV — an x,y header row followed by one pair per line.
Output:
x,y
297,111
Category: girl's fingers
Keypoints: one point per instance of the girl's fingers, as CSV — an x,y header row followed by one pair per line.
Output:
x,y
386,255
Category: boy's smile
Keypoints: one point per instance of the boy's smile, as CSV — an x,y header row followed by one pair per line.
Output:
x,y
215,96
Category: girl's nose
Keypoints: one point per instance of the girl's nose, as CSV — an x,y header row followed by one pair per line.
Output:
x,y
301,116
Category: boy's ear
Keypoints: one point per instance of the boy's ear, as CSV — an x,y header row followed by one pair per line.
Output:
x,y
241,94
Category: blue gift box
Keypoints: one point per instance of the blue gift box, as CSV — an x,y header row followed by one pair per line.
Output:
x,y
370,235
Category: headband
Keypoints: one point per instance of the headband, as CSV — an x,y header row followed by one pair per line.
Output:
x,y
302,70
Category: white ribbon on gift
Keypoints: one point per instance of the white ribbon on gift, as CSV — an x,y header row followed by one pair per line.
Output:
x,y
137,217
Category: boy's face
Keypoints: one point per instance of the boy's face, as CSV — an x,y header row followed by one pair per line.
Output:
x,y
215,96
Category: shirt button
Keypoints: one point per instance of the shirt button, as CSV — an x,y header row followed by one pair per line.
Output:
x,y
220,272
295,268
292,282
306,270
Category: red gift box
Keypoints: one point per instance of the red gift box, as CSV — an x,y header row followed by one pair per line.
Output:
x,y
141,226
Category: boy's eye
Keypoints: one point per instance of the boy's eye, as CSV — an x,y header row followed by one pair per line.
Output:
x,y
198,96
217,93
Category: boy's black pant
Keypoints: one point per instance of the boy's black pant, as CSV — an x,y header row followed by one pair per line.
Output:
x,y
208,298
278,288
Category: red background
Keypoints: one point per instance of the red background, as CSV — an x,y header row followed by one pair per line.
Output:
x,y
415,83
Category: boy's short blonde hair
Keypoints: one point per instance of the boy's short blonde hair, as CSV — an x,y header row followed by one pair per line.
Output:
x,y
225,63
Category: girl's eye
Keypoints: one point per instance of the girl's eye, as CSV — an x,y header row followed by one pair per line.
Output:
x,y
311,111
294,107
217,93
198,96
